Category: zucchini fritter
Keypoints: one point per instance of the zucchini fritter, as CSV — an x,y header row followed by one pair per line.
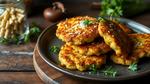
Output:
x,y
115,37
141,44
124,60
73,60
95,48
125,28
78,30
141,48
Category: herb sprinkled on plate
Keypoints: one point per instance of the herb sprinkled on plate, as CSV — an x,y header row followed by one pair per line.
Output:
x,y
133,67
110,71
54,49
93,68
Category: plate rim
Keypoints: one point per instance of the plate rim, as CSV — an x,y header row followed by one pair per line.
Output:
x,y
56,66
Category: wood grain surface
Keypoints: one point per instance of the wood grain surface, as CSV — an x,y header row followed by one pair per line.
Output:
x,y
16,57
19,78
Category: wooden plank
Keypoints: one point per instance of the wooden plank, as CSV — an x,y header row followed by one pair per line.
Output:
x,y
23,47
16,57
16,63
19,78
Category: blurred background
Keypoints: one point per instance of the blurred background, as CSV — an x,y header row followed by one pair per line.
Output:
x,y
77,7
131,8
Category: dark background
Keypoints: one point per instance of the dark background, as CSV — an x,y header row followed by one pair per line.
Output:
x,y
75,8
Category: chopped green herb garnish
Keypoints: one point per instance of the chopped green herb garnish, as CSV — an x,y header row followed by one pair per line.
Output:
x,y
117,8
3,41
112,8
133,67
110,71
33,32
93,68
7,41
54,49
101,19
87,22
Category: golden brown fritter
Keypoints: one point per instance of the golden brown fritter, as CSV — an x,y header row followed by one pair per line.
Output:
x,y
141,44
78,30
115,37
73,60
124,60
125,28
141,48
94,48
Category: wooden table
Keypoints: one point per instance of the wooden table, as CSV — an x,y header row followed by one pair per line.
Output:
x,y
16,64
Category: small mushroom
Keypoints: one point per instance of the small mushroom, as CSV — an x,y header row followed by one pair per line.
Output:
x,y
54,13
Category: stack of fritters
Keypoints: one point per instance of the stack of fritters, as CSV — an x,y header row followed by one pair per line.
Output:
x,y
74,60
141,48
88,40
80,50
115,37
128,47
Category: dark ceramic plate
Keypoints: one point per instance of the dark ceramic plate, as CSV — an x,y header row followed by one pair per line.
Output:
x,y
48,38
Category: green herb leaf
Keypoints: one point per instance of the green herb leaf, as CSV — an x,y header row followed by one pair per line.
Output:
x,y
32,32
110,72
3,41
101,19
54,49
26,38
112,8
14,40
35,31
119,8
93,68
87,22
133,67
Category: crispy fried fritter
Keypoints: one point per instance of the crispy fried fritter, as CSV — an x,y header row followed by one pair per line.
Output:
x,y
78,30
124,60
125,28
141,48
94,48
73,60
115,37
141,44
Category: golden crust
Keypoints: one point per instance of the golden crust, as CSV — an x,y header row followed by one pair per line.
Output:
x,y
141,44
73,60
115,38
141,48
95,48
124,61
72,31
125,28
